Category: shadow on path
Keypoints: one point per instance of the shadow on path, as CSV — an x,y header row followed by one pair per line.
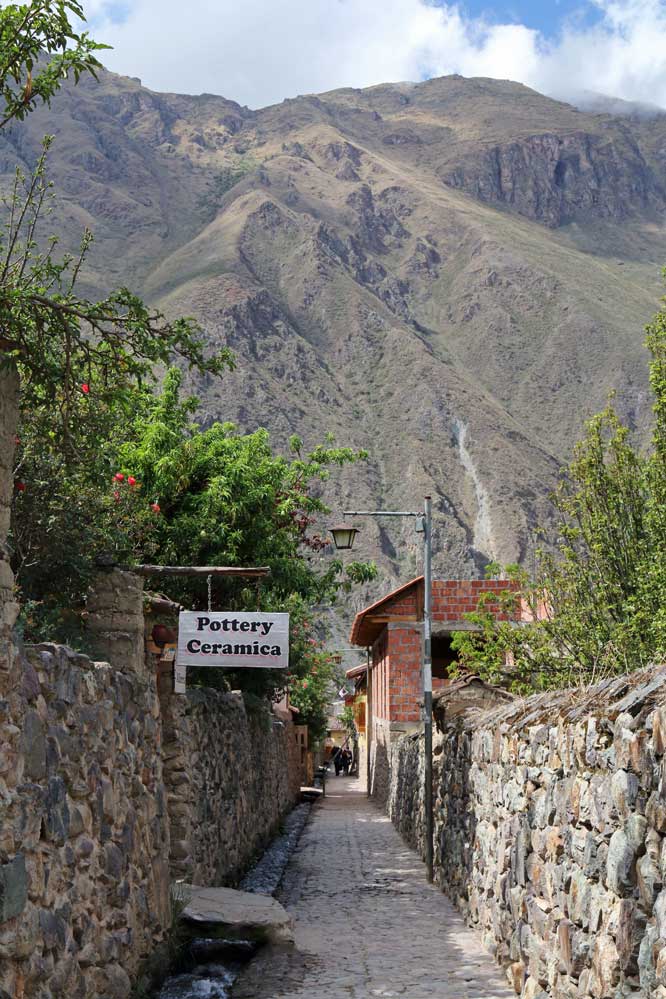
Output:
x,y
367,923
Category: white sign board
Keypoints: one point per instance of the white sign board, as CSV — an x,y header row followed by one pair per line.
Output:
x,y
235,640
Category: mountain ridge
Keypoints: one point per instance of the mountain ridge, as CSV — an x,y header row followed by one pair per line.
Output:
x,y
407,266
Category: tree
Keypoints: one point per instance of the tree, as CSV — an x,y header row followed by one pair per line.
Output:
x,y
103,464
68,506
38,49
598,599
314,676
67,349
226,498
146,484
58,339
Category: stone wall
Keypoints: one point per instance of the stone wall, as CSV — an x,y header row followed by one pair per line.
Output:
x,y
8,605
97,812
84,842
550,834
84,824
115,621
232,776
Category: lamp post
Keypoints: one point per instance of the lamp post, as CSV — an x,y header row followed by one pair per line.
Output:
x,y
343,537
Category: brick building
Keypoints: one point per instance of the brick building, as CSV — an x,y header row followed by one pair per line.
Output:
x,y
392,629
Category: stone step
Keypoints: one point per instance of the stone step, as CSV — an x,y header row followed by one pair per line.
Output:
x,y
238,913
311,793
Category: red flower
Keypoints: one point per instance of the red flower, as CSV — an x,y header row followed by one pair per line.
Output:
x,y
155,507
119,477
20,487
312,641
305,683
85,388
131,481
116,496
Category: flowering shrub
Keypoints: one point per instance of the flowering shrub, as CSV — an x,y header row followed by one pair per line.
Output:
x,y
139,482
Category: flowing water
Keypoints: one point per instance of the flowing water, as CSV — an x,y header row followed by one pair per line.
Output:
x,y
216,963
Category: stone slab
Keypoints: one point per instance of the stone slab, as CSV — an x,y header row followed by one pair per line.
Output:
x,y
237,911
311,793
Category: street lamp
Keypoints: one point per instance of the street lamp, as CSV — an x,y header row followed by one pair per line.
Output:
x,y
343,537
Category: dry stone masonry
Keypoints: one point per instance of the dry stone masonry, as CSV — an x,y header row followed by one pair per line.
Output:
x,y
115,622
550,834
96,813
84,839
232,777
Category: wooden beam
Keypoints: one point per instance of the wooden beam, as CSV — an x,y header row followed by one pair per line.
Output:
x,y
162,605
197,570
387,618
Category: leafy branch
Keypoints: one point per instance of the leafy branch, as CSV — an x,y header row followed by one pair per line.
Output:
x,y
61,341
39,48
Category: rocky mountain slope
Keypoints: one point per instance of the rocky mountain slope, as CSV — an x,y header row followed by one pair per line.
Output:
x,y
451,274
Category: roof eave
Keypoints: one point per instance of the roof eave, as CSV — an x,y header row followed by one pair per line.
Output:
x,y
355,634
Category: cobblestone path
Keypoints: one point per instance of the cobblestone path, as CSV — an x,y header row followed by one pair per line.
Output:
x,y
367,923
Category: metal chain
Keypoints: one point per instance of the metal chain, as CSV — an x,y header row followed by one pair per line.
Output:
x,y
210,593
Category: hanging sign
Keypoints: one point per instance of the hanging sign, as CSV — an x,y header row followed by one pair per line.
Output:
x,y
235,640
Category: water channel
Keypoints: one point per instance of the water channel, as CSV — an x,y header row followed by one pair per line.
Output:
x,y
212,965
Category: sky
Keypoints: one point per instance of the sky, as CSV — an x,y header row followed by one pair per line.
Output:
x,y
259,52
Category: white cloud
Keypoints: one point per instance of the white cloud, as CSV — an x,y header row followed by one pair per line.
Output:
x,y
260,51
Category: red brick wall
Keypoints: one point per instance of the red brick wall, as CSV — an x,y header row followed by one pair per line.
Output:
x,y
379,676
404,604
453,598
396,655
404,658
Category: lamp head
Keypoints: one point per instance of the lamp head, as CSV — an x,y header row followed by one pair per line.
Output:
x,y
343,536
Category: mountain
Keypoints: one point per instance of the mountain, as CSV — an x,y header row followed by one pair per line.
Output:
x,y
451,274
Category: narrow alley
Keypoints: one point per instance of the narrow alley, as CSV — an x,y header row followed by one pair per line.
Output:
x,y
366,922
